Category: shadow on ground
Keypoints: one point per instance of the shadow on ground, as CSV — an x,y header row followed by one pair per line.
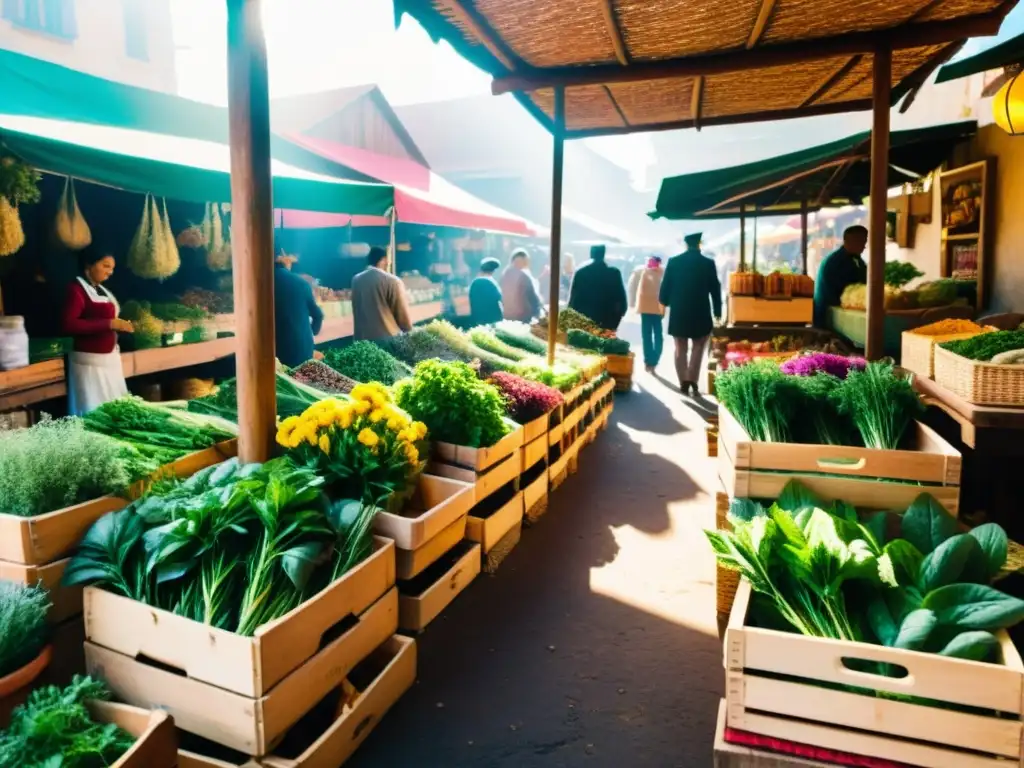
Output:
x,y
532,667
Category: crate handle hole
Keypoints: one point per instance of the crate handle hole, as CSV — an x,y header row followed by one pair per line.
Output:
x,y
850,465
364,724
337,629
875,668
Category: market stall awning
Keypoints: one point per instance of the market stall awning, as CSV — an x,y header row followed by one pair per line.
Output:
x,y
827,175
36,88
1002,55
637,65
178,168
421,196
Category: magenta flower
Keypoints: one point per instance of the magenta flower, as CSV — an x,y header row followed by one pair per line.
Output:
x,y
823,362
525,400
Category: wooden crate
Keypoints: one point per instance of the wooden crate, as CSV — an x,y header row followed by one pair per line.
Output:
x,y
478,459
735,756
437,504
784,686
535,429
753,309
250,666
423,599
65,601
252,725
864,477
410,563
534,452
485,483
535,498
156,742
488,531
188,465
360,714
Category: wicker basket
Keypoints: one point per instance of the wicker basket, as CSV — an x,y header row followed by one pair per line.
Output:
x,y
918,351
978,382
726,581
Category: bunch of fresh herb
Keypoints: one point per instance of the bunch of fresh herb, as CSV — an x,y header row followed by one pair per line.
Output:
x,y
569,318
986,345
321,376
22,624
880,404
485,339
560,376
19,182
526,400
599,344
233,546
174,312
518,335
365,361
454,404
418,345
56,464
54,729
828,574
898,273
138,422
293,397
764,400
461,343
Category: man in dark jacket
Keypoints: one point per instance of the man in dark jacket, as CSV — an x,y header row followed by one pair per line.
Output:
x,y
838,270
297,317
485,295
598,292
690,289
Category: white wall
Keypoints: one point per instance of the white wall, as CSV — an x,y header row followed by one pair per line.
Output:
x,y
99,47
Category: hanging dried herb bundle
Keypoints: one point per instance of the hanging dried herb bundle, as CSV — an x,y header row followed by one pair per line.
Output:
x,y
70,225
18,184
12,236
218,249
153,253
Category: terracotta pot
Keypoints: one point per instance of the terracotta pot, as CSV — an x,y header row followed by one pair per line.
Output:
x,y
22,678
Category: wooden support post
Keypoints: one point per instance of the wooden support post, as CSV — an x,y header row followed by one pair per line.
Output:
x,y
252,230
393,241
803,235
753,246
882,71
743,237
556,221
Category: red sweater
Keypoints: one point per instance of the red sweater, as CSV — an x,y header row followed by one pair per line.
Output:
x,y
88,321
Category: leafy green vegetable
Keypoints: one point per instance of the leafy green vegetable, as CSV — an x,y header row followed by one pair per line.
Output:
x,y
899,273
880,404
365,361
454,404
22,624
518,335
588,341
463,345
486,340
418,345
985,346
762,398
293,397
54,729
134,420
55,464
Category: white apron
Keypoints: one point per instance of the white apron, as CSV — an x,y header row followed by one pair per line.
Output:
x,y
95,379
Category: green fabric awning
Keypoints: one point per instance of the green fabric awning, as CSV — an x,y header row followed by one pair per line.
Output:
x,y
839,171
1008,52
37,88
187,169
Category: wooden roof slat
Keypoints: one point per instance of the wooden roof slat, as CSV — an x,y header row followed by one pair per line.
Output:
x,y
697,101
764,16
834,180
482,31
612,22
615,103
761,57
832,79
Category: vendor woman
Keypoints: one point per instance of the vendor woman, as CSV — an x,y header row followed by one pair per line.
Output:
x,y
90,318
838,270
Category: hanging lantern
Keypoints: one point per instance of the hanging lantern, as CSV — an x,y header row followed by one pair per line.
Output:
x,y
1008,105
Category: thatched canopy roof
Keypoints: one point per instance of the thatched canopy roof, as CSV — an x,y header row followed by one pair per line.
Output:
x,y
639,65
828,175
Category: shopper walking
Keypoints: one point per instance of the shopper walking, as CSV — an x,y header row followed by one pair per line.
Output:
x,y
519,297
597,291
380,309
644,298
485,295
691,291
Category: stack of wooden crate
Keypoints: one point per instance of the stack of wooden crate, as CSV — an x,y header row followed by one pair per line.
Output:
x,y
534,480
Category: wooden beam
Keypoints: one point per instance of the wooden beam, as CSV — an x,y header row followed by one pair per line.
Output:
x,y
837,176
761,22
618,109
803,235
781,182
611,22
479,29
832,79
842,107
785,54
743,238
882,77
912,83
697,101
556,221
252,230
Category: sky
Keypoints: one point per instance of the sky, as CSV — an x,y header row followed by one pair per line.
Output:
x,y
315,45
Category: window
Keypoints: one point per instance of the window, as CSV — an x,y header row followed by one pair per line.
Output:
x,y
51,17
136,34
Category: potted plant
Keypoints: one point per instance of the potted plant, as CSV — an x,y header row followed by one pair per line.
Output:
x,y
24,652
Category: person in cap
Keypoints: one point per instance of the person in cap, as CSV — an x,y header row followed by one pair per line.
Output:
x,y
485,295
297,316
380,308
691,291
644,289
839,269
598,292
519,297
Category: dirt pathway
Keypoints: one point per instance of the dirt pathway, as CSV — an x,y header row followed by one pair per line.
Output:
x,y
595,644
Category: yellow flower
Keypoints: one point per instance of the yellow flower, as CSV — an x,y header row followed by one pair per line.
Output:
x,y
368,437
411,453
377,416
325,443
378,400
361,407
420,428
295,439
344,416
362,393
407,435
326,418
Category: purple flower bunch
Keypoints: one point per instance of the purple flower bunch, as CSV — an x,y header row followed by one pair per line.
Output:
x,y
823,362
